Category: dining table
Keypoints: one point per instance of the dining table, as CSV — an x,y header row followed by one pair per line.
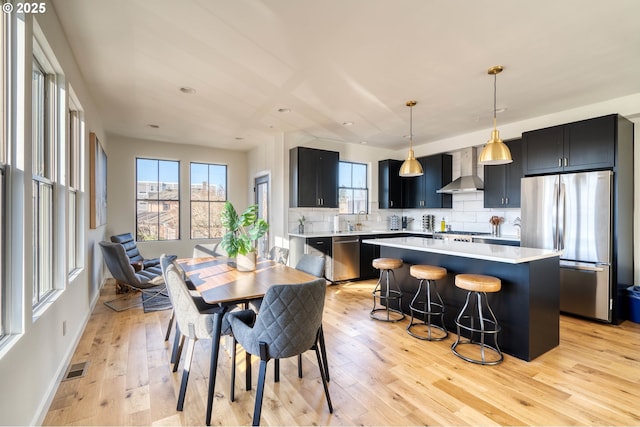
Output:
x,y
219,283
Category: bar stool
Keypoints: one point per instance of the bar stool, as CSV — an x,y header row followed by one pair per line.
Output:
x,y
427,306
478,285
384,294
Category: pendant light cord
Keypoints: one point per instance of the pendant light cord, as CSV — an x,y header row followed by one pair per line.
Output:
x,y
495,97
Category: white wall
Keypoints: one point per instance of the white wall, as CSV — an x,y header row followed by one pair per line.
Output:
x,y
121,187
35,357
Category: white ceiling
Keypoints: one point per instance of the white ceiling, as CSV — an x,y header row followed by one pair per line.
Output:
x,y
337,61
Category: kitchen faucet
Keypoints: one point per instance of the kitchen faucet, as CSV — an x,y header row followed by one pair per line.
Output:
x,y
358,223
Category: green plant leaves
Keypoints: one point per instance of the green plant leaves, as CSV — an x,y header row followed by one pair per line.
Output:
x,y
242,231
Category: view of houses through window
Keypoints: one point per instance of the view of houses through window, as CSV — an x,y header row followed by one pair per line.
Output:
x,y
352,188
208,194
157,199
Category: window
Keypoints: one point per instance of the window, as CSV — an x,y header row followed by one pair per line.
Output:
x,y
157,199
353,194
44,142
74,255
208,194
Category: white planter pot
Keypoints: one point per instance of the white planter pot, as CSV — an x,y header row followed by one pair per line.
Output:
x,y
246,262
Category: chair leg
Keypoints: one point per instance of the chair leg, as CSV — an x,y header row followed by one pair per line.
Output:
x,y
323,351
232,392
173,315
176,344
215,349
247,362
179,352
299,366
323,375
264,358
185,374
276,370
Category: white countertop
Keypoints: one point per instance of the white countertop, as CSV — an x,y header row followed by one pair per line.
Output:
x,y
380,232
484,251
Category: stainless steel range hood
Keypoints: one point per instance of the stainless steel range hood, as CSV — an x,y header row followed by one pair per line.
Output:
x,y
468,180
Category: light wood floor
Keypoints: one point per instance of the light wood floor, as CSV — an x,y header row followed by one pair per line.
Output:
x,y
379,376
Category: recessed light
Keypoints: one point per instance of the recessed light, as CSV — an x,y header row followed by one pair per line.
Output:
x,y
239,138
363,142
153,126
501,110
284,110
188,90
347,123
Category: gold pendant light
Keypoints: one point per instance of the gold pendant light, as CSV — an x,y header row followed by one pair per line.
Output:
x,y
495,152
411,167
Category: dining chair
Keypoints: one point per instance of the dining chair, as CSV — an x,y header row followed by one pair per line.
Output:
x,y
288,325
195,325
313,265
279,254
148,281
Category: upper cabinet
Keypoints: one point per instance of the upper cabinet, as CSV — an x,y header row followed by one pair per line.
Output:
x,y
389,184
502,182
421,191
313,178
584,145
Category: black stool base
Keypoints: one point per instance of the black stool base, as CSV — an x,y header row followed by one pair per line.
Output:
x,y
382,298
477,325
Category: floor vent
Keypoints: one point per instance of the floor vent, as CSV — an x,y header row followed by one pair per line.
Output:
x,y
77,370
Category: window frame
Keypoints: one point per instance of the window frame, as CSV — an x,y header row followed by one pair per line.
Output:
x,y
75,213
45,146
208,201
159,200
351,188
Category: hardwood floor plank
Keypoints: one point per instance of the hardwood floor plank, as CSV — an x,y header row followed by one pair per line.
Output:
x,y
379,376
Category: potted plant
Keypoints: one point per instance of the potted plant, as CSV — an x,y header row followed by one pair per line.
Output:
x,y
242,232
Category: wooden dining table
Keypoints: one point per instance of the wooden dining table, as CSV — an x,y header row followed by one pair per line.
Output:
x,y
220,283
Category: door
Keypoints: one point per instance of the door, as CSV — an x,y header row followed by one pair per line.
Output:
x,y
585,216
539,209
261,188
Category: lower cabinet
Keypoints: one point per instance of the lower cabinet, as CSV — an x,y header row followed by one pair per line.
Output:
x,y
321,246
367,254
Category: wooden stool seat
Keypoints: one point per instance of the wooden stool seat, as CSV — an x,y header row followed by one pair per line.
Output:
x,y
387,263
478,283
428,272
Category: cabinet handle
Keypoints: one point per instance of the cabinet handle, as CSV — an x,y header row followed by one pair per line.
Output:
x,y
391,203
502,201
565,161
506,200
559,162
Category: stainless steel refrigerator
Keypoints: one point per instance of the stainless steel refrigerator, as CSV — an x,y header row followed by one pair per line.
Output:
x,y
573,213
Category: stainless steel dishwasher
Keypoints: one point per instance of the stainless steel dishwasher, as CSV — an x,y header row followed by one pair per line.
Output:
x,y
346,258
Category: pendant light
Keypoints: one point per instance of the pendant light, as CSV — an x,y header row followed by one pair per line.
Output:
x,y
411,167
495,152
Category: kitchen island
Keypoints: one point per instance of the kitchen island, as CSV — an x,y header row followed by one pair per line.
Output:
x,y
528,305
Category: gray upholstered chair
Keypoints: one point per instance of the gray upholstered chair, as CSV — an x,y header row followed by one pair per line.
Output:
x,y
288,325
195,325
279,254
311,264
148,281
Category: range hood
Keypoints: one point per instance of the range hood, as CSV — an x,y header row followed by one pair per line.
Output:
x,y
468,180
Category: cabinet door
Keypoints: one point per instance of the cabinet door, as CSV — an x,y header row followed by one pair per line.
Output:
x,y
367,254
590,144
389,184
542,150
513,175
494,186
413,191
437,173
307,178
327,170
